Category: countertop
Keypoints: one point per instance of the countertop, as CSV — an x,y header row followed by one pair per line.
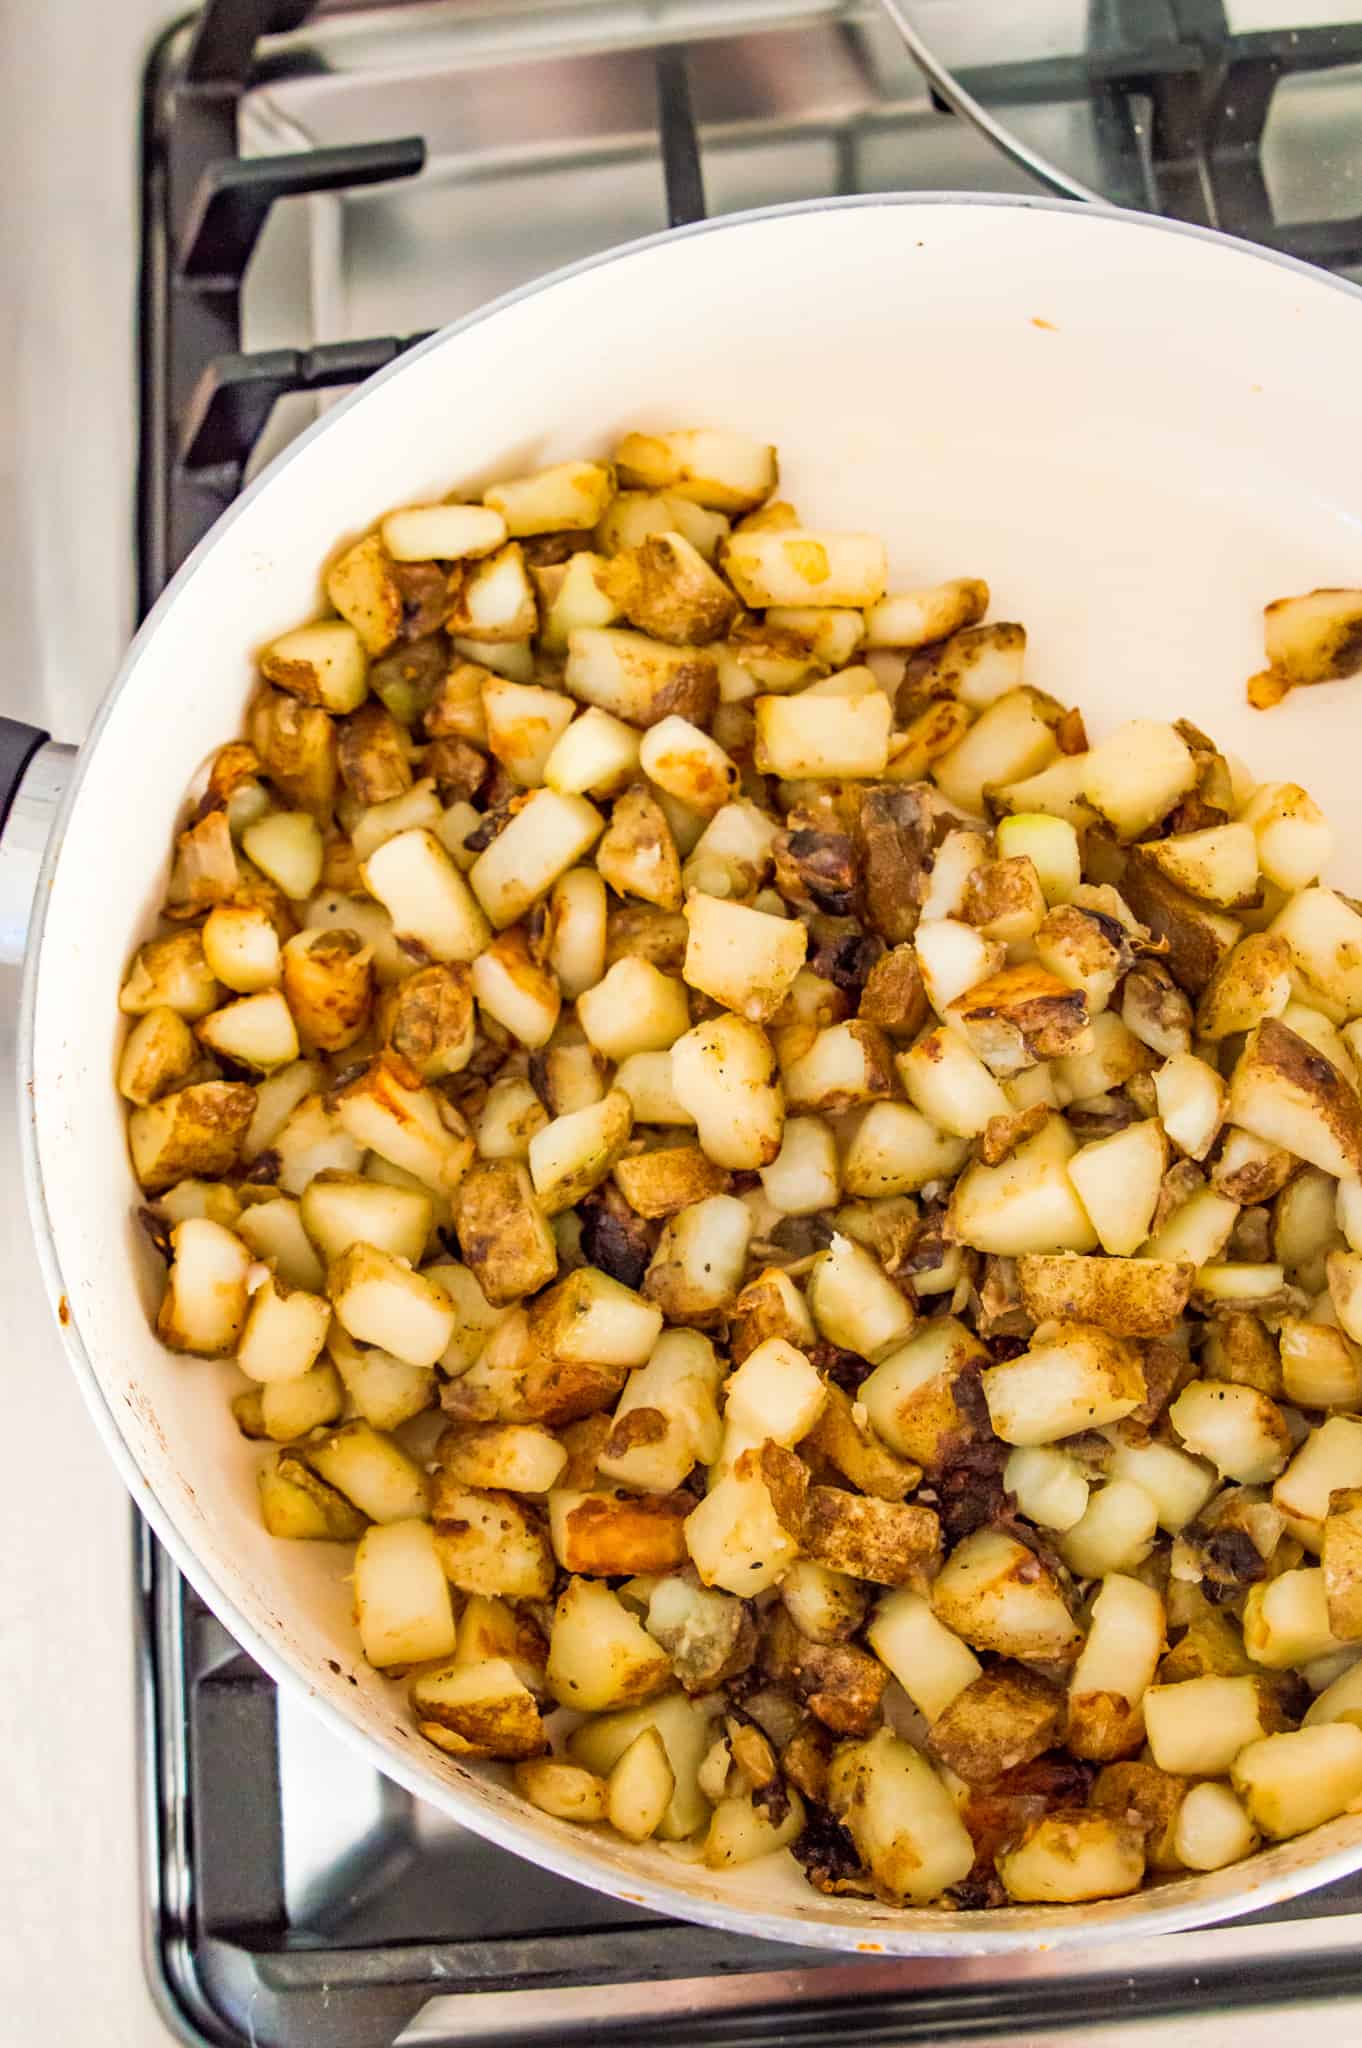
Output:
x,y
70,1962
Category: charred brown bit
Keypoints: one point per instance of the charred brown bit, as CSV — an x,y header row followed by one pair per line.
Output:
x,y
897,832
814,867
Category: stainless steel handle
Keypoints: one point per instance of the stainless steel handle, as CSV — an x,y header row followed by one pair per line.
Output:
x,y
28,806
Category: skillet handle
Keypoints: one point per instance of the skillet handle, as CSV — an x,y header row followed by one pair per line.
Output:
x,y
33,773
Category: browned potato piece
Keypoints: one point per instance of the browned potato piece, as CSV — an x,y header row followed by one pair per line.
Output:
x,y
1127,1297
1021,1015
1198,938
205,871
502,1231
857,1453
297,748
888,1542
490,1542
1314,638
158,1052
1285,1091
328,982
666,587
637,855
840,1683
604,1535
478,1710
1006,1717
428,1023
1341,1557
194,1134
374,762
659,1183
893,997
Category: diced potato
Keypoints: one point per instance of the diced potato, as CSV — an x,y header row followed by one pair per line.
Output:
x,y
294,1408
495,602
1313,638
1301,1779
1218,865
845,737
912,618
339,1210
1008,744
323,664
401,1596
1114,1669
1284,1091
616,1535
1198,1726
953,957
1240,1430
287,846
478,1710
1196,1232
697,1268
158,1052
675,1418
1081,1379
241,947
1178,1485
775,1394
746,1531
545,837
1212,1829
909,1397
740,1832
1191,1099
274,1231
597,755
1115,1532
901,1818
524,723
723,1074
640,680
685,1727
296,1504
634,1008
1125,1297
1286,1620
591,1318
854,1302
573,1153
1027,1204
803,567
1066,1858
1048,1486
414,1128
1320,1367
1293,837
255,1031
997,1595
640,1788
565,1791
1341,1701
570,495
950,1084
892,1543
284,1333
443,533
897,1151
600,1655
490,1542
171,973
707,465
959,855
196,1132
743,958
382,1390
204,1304
1118,1180
1324,935
931,1663
1136,777
427,898
379,1300
1051,846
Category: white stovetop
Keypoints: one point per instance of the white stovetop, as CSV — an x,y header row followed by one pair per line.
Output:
x,y
70,1963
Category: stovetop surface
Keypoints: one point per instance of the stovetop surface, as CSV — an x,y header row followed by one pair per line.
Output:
x,y
295,1899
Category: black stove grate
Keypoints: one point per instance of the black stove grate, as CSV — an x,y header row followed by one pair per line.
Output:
x,y
408,1921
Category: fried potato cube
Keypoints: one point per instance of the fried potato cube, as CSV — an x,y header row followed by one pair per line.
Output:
x,y
1066,1858
171,973
502,1231
1316,637
1197,937
380,1300
1118,1180
638,679
1125,1297
671,1178
724,1075
853,1449
573,1153
891,1543
823,737
158,1052
1294,839
591,1318
997,1595
1114,1670
548,834
604,1535
478,1710
697,1268
324,664
196,1132
854,1303
706,465
1300,1779
743,958
1082,1378
600,1655
913,618
296,1504
746,1531
569,496
665,587
1020,1015
1284,1091
846,1065
1005,1717
804,567
204,1304
402,1597
910,1397
427,898
374,1472
904,1823
490,1542
442,533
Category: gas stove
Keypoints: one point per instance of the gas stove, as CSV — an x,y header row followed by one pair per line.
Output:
x,y
321,187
